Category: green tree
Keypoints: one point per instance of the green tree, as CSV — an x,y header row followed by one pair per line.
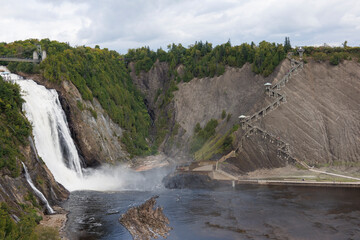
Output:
x,y
223,114
335,58
287,45
345,44
14,127
202,135
320,56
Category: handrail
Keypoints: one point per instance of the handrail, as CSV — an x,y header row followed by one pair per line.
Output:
x,y
283,147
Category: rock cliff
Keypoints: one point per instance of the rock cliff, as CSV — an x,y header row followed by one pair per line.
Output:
x,y
320,119
96,136
155,85
149,83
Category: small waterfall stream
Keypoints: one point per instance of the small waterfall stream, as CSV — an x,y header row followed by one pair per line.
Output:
x,y
37,191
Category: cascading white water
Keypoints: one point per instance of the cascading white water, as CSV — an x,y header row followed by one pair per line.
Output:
x,y
37,191
57,149
51,132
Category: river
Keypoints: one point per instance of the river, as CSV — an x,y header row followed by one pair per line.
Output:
x,y
246,212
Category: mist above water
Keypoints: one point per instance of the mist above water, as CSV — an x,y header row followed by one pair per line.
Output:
x,y
57,149
110,178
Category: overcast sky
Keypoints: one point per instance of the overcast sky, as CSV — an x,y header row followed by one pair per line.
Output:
x,y
120,25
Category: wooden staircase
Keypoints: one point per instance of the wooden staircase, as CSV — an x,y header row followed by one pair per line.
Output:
x,y
247,124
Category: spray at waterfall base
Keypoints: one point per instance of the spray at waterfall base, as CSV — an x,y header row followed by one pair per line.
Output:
x,y
57,149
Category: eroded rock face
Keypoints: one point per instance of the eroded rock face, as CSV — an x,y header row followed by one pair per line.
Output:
x,y
237,92
256,153
144,222
320,119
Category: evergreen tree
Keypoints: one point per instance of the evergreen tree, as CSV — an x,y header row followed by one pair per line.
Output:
x,y
287,45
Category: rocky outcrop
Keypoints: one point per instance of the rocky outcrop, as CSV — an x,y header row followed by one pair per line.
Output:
x,y
144,222
151,82
96,136
154,84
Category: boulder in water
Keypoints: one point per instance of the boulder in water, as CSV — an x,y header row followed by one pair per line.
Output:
x,y
144,222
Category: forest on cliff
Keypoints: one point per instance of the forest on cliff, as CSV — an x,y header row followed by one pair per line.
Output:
x,y
14,127
104,74
14,132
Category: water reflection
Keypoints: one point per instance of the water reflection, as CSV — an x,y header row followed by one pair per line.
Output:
x,y
248,212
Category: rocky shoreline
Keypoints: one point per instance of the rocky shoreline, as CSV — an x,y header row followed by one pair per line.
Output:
x,y
56,221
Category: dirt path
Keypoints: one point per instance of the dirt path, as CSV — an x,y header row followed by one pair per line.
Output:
x,y
333,174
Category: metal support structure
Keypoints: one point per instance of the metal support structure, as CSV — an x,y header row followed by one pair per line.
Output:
x,y
301,52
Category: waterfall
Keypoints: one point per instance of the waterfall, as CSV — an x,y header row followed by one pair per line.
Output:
x,y
37,192
51,132
32,145
56,148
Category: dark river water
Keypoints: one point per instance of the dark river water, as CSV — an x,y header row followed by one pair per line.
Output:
x,y
246,212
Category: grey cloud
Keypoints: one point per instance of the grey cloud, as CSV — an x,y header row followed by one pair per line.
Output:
x,y
124,24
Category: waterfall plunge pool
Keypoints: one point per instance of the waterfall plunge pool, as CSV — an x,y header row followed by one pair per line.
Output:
x,y
246,212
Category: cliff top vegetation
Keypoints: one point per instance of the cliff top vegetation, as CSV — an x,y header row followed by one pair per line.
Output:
x,y
98,73
103,74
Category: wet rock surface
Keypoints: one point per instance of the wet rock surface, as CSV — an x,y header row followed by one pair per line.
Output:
x,y
144,222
